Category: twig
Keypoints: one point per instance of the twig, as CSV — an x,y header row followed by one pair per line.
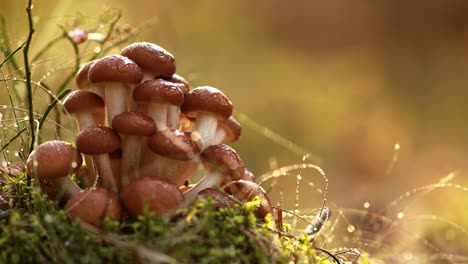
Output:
x,y
28,81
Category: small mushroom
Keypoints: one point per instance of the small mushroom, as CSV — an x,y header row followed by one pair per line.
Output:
x,y
116,73
160,195
99,141
83,82
52,161
153,59
222,163
246,191
84,105
207,105
173,111
177,153
135,126
92,206
158,94
227,131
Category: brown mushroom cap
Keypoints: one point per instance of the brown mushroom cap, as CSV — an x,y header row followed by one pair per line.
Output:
x,y
159,91
81,77
246,191
134,123
173,144
225,159
151,57
83,101
97,140
115,68
232,127
179,80
209,100
162,196
93,205
220,199
53,159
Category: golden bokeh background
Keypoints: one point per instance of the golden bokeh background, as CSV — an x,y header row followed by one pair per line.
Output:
x,y
375,91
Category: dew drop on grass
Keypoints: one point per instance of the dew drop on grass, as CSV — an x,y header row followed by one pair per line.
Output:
x,y
74,164
366,205
48,218
351,228
97,49
299,177
400,215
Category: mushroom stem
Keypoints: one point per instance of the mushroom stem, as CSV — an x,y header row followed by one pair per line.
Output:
x,y
147,75
180,171
206,125
173,116
116,99
131,153
66,185
219,137
153,165
104,168
212,179
84,120
158,112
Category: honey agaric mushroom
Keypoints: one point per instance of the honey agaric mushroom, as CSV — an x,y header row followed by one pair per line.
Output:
x,y
99,141
153,59
53,161
246,191
207,105
135,126
228,130
83,82
177,151
92,206
158,94
222,163
219,198
160,195
173,111
117,73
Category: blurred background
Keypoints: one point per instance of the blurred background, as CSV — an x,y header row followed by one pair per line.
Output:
x,y
375,91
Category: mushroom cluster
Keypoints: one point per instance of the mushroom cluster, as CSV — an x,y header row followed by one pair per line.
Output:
x,y
143,133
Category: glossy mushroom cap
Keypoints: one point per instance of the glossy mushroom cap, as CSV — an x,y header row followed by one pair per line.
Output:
x,y
151,57
225,159
159,91
246,191
173,144
83,101
179,80
232,128
134,123
115,68
161,195
53,159
209,100
94,205
219,198
96,140
81,77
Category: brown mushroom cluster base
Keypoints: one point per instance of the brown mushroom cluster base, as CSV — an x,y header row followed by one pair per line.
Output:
x,y
142,134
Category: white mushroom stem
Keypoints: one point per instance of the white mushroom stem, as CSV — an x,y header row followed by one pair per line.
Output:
x,y
212,179
173,116
153,165
183,171
206,125
97,89
219,136
116,99
66,185
85,120
158,112
104,169
147,75
131,152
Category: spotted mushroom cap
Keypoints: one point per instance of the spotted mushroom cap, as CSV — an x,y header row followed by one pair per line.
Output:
x,y
225,159
179,80
209,100
134,123
232,127
53,159
151,57
115,68
162,195
92,206
173,144
83,101
95,140
159,91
